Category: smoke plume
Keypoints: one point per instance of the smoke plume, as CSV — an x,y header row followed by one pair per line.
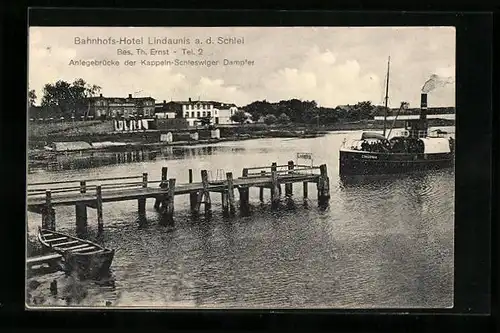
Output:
x,y
436,81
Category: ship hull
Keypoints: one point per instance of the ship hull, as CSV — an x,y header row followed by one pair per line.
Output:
x,y
366,163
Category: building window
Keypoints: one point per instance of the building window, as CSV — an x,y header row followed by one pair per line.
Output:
x,y
198,114
192,114
215,112
209,114
203,114
216,120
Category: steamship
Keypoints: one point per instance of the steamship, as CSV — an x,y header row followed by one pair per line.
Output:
x,y
413,149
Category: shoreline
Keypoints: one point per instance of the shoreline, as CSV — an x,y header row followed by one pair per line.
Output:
x,y
151,139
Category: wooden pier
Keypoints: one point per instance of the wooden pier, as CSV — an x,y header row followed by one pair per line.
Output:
x,y
93,193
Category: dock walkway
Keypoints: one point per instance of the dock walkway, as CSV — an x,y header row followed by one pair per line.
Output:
x,y
42,197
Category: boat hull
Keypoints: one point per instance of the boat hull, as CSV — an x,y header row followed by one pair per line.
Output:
x,y
89,266
366,163
76,258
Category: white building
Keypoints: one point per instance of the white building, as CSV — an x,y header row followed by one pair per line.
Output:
x,y
223,113
197,111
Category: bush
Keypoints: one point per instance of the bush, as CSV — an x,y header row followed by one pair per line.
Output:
x,y
270,119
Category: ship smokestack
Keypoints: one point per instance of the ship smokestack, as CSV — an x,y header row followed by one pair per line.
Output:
x,y
423,106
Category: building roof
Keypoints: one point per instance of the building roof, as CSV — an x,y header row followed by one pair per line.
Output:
x,y
120,98
193,102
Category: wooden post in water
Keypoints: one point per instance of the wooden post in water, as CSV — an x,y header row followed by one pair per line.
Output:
x,y
275,193
48,213
100,223
305,184
323,185
158,200
274,167
289,186
193,196
168,215
83,186
81,218
225,202
141,203
203,195
261,188
230,192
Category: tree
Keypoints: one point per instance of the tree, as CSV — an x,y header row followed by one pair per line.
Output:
x,y
270,119
205,121
69,97
283,119
239,117
32,97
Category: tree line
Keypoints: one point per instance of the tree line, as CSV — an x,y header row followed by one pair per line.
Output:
x,y
304,112
66,99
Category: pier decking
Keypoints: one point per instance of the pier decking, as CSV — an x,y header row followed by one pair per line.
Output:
x,y
42,197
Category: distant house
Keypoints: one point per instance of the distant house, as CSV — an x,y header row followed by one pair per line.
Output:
x,y
163,111
195,111
121,106
224,112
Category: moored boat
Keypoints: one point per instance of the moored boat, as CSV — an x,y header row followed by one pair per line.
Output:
x,y
86,258
413,149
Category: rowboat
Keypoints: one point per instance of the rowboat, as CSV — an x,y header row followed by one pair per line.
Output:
x,y
86,258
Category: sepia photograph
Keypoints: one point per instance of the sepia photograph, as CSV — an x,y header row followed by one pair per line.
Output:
x,y
240,167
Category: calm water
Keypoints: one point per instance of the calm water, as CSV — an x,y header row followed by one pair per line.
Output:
x,y
384,241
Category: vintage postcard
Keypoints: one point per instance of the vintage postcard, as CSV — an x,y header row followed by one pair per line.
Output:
x,y
240,167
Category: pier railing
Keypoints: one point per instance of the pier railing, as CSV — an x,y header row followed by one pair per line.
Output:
x,y
83,186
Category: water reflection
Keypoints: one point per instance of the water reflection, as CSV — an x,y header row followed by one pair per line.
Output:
x,y
88,159
382,241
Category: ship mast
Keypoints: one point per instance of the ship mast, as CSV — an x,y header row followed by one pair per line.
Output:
x,y
386,94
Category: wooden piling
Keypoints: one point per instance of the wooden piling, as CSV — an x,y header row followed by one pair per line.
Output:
x,y
141,207
48,213
141,203
289,186
168,215
275,193
225,203
193,196
203,195
323,185
230,192
261,188
81,218
244,198
159,200
100,223
164,171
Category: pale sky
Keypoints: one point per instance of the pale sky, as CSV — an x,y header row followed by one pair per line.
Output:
x,y
330,65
